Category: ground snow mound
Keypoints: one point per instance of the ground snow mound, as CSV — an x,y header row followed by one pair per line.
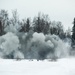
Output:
x,y
24,67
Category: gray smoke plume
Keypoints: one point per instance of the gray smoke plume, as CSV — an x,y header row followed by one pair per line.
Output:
x,y
33,46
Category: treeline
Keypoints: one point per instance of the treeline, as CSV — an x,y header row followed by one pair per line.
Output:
x,y
40,24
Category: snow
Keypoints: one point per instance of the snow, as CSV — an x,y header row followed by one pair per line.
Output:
x,y
64,66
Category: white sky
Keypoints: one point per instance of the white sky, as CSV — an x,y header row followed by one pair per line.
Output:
x,y
58,10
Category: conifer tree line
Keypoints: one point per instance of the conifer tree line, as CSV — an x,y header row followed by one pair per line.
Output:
x,y
41,24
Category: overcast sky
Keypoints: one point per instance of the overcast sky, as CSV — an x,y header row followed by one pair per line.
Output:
x,y
58,10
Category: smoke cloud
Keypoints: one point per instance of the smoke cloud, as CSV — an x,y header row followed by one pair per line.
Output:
x,y
33,46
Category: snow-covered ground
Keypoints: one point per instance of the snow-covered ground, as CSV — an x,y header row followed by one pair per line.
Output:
x,y
24,67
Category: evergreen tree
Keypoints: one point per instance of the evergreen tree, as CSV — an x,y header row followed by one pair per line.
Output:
x,y
0,27
41,24
4,21
36,23
27,25
73,33
23,26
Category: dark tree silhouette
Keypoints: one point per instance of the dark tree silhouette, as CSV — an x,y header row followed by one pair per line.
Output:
x,y
73,33
41,24
27,25
4,21
1,28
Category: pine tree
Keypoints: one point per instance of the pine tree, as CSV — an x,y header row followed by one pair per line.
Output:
x,y
41,24
0,28
73,33
27,25
3,21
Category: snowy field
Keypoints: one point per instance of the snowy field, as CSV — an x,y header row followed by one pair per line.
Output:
x,y
24,67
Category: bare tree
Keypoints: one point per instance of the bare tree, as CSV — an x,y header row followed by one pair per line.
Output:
x,y
15,17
